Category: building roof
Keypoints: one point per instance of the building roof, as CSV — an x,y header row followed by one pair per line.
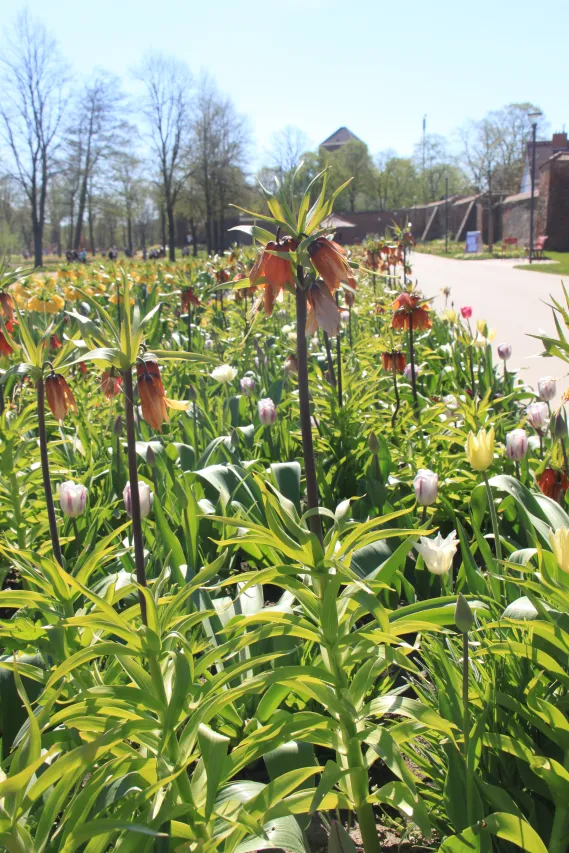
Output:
x,y
335,221
520,197
339,138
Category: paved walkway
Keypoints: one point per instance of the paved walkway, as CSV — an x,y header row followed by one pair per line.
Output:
x,y
510,300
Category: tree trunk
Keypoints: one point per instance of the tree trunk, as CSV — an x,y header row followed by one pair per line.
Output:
x,y
91,228
216,236
221,231
194,233
171,234
163,225
129,233
38,248
80,213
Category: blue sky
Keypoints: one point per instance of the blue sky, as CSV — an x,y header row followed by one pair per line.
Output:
x,y
376,67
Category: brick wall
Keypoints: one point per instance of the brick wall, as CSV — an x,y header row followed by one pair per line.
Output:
x,y
515,219
555,178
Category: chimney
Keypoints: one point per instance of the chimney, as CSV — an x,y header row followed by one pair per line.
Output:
x,y
559,141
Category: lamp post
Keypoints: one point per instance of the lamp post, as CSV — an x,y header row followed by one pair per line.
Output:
x,y
533,117
446,215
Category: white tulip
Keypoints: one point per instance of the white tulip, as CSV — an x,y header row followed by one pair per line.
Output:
x,y
438,552
224,373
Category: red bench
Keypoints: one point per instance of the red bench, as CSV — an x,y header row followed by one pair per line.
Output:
x,y
538,247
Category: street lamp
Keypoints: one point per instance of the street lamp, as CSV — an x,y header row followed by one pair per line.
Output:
x,y
534,118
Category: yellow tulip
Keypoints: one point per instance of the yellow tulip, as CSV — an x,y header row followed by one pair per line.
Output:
x,y
559,542
450,315
480,449
482,327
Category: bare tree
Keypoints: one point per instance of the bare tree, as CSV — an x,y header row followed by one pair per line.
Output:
x,y
93,136
219,150
31,113
167,107
287,147
126,174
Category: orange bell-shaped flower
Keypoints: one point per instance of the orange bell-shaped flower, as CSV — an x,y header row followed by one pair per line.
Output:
x,y
330,262
59,396
276,271
152,394
409,313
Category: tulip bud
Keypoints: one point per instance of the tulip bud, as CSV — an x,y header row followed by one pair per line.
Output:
x,y
146,498
559,541
504,351
234,438
426,485
558,424
516,444
117,426
73,498
247,385
290,364
150,457
546,388
208,343
537,414
372,442
463,616
466,312
267,411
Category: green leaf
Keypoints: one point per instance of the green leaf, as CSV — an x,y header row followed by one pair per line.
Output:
x,y
213,748
340,841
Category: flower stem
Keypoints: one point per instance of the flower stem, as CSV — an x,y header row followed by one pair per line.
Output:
x,y
565,462
494,519
466,725
56,548
134,494
412,360
397,400
304,402
331,371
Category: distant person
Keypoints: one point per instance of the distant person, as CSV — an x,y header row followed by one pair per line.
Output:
x,y
83,256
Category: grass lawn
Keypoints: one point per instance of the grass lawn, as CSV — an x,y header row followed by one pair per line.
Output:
x,y
456,251
560,267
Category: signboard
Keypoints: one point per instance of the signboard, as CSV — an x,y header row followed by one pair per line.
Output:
x,y
473,242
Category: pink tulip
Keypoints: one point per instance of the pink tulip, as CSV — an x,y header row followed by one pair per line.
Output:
x,y
466,312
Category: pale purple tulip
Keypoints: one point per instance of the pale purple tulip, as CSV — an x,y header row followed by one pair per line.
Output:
x,y
145,496
546,388
73,498
247,385
516,444
408,369
267,411
426,485
537,414
505,351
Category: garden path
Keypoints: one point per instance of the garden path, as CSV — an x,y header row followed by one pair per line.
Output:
x,y
510,300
